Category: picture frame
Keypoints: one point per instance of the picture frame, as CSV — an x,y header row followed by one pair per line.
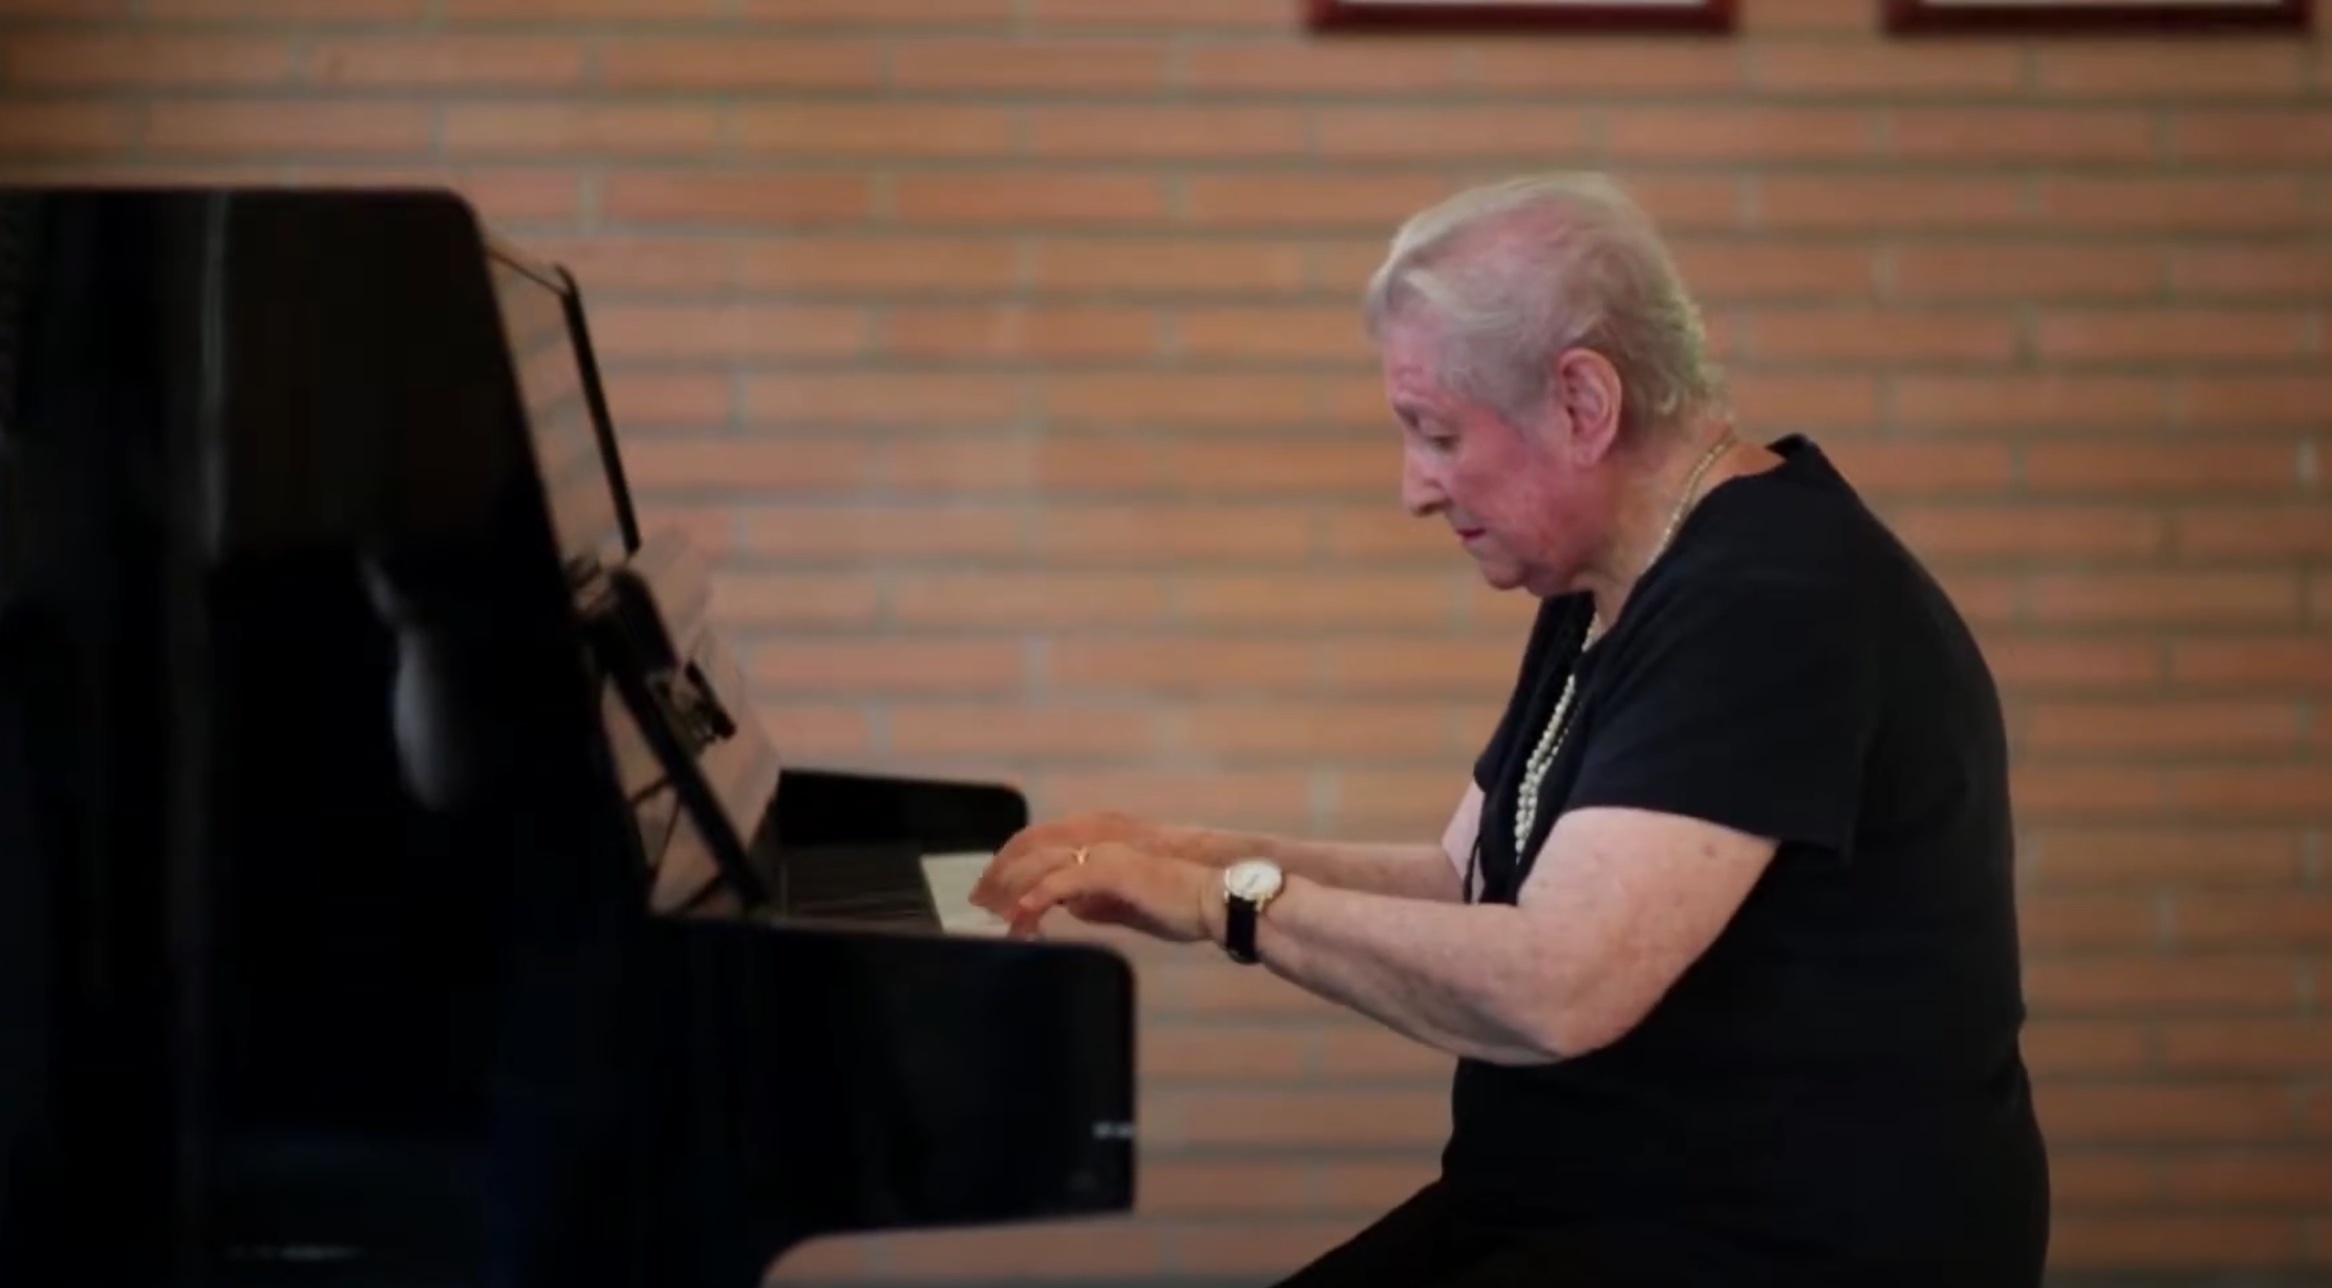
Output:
x,y
1521,16
2096,17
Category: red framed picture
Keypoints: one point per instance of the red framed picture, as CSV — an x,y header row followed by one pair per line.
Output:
x,y
2088,17
1521,15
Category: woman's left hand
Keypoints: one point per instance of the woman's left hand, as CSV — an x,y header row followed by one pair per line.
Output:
x,y
1110,884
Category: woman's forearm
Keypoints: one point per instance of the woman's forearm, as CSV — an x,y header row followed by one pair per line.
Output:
x,y
1407,870
1470,981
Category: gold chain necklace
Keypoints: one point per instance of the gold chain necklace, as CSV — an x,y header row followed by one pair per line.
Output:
x,y
1550,742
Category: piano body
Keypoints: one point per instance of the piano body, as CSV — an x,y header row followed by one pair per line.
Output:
x,y
393,887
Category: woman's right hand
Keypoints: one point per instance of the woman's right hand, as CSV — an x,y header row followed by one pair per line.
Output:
x,y
1109,827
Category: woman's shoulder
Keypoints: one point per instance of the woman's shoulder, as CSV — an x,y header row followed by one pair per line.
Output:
x,y
1797,528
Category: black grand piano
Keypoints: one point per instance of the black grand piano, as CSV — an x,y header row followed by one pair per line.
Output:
x,y
395,886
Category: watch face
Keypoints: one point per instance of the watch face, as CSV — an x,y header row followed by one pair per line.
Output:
x,y
1252,879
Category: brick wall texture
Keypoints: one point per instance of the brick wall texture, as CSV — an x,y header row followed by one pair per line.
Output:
x,y
1006,349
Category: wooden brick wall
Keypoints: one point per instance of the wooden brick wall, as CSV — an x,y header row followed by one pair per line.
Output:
x,y
1007,350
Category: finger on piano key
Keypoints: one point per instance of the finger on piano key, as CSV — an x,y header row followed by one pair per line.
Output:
x,y
952,877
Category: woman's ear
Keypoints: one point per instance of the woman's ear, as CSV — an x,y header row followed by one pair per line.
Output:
x,y
1586,388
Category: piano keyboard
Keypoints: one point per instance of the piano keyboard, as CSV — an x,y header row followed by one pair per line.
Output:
x,y
951,877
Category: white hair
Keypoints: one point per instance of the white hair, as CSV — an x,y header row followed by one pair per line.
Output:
x,y
1520,270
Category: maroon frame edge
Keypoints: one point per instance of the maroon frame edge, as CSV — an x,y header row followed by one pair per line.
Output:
x,y
1555,15
1912,17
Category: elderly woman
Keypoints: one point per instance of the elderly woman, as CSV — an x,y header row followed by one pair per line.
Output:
x,y
1723,931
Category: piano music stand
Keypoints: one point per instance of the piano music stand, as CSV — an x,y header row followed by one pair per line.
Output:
x,y
327,956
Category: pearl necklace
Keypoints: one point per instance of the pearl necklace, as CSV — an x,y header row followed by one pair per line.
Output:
x,y
1550,741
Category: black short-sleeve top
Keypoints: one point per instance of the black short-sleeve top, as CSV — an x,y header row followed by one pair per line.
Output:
x,y
1838,1080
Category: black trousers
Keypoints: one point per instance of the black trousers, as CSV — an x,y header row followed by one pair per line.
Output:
x,y
1431,1242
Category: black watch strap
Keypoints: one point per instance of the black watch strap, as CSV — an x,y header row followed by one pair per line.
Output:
x,y
1239,929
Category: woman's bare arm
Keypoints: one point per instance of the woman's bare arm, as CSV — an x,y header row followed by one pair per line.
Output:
x,y
1409,870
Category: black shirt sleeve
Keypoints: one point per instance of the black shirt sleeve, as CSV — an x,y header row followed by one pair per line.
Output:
x,y
1748,702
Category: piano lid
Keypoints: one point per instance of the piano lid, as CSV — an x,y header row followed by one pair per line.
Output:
x,y
574,448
